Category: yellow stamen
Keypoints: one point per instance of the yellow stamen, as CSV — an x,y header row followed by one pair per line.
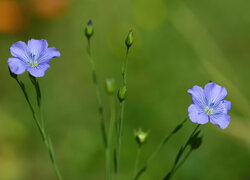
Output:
x,y
208,111
33,64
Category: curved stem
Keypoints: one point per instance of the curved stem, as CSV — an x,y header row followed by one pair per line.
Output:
x,y
45,138
111,131
158,148
137,160
98,95
121,122
183,160
178,157
100,108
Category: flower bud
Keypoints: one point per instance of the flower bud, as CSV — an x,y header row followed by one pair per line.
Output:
x,y
89,30
141,137
122,93
129,40
110,86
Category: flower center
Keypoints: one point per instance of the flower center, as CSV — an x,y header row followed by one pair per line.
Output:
x,y
33,64
208,111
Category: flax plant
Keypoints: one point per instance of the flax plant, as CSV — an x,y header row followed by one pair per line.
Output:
x,y
34,57
122,97
89,31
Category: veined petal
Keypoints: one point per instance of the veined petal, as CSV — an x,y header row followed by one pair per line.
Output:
x,y
38,71
222,120
20,50
49,54
227,105
222,107
37,47
16,65
198,96
197,115
214,93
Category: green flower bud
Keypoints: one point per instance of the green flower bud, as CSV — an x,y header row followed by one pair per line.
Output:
x,y
110,86
122,93
129,40
89,30
141,137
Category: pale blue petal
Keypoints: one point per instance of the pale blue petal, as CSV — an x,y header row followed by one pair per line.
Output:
x,y
220,108
16,65
214,93
37,47
198,96
227,105
49,54
197,115
38,71
222,120
20,50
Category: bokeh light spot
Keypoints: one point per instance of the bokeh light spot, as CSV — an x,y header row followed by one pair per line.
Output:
x,y
149,14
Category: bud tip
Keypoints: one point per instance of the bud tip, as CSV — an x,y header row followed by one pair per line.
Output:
x,y
90,22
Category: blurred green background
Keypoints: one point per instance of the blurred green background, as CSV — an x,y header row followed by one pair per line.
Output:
x,y
177,44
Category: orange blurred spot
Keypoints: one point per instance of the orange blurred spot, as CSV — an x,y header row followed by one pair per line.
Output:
x,y
12,17
50,8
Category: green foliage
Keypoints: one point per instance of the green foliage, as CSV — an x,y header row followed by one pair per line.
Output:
x,y
177,44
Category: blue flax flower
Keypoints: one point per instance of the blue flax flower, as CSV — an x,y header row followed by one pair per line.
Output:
x,y
209,104
33,57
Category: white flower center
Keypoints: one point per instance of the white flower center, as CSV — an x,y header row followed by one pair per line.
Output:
x,y
208,110
33,64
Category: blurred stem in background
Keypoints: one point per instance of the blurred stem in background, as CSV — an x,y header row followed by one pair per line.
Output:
x,y
122,96
110,89
46,139
157,150
194,141
137,159
89,31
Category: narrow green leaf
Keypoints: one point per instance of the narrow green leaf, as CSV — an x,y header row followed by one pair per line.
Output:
x,y
51,150
179,155
115,160
142,170
168,176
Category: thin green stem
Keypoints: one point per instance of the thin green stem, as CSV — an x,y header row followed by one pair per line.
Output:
x,y
45,139
98,95
108,168
137,159
111,131
38,97
121,122
40,103
194,131
100,107
183,160
178,157
125,68
158,148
